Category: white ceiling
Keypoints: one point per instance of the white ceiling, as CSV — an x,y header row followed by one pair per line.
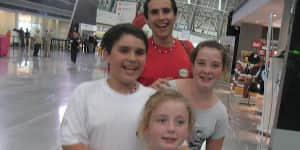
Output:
x,y
261,15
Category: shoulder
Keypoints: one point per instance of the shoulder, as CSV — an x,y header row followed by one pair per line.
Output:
x,y
180,84
90,85
221,110
146,90
186,43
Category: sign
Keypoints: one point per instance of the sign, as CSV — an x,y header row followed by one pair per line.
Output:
x,y
108,18
126,11
87,27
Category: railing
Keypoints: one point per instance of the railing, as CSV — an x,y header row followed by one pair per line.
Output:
x,y
60,44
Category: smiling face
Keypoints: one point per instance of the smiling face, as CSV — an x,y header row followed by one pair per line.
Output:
x,y
161,18
168,126
207,67
126,59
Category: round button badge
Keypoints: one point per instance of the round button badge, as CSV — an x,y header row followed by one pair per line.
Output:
x,y
183,72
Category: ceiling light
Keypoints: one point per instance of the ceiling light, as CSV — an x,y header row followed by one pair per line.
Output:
x,y
274,15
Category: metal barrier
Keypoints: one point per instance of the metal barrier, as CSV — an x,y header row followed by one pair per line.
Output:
x,y
60,44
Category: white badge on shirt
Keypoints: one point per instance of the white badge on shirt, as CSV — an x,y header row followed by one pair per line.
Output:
x,y
183,72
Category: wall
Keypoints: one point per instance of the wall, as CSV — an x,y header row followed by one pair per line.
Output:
x,y
248,33
8,21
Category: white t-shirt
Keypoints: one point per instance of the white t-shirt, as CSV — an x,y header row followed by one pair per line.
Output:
x,y
103,119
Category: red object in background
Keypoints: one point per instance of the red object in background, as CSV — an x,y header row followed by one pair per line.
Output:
x,y
139,20
257,44
3,46
261,52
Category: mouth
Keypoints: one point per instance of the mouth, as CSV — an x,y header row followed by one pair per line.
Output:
x,y
130,68
169,140
206,78
162,26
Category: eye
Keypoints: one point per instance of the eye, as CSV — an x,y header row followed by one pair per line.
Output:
x,y
154,11
140,52
124,50
166,10
216,65
180,122
161,120
202,63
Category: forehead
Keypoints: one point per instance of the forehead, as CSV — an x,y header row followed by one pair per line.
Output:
x,y
170,105
209,52
130,40
157,4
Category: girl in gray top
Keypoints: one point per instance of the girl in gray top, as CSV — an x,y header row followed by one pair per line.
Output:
x,y
208,64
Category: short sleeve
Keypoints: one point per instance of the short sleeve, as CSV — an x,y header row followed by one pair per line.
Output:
x,y
221,127
73,126
189,45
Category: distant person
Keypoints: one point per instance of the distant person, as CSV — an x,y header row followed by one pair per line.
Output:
x,y
167,57
27,38
166,121
21,36
103,114
74,46
37,40
48,38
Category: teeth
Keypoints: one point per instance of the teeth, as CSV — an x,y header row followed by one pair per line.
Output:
x,y
130,68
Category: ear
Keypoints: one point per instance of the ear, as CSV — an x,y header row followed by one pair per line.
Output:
x,y
106,56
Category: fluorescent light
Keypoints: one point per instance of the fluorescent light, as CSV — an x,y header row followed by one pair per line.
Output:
x,y
189,1
220,5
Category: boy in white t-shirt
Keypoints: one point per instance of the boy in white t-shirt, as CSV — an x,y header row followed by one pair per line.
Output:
x,y
103,115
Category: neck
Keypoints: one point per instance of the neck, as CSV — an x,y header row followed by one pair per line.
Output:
x,y
124,88
202,95
165,41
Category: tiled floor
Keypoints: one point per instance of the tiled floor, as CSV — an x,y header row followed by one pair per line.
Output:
x,y
34,94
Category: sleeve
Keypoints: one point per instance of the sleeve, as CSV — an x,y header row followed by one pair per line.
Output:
x,y
222,125
189,45
73,126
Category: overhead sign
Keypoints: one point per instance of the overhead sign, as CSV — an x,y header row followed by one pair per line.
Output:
x,y
87,27
126,11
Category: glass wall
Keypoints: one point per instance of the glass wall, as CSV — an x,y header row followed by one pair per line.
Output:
x,y
33,22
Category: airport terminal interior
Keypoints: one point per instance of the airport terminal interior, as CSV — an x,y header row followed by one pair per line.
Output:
x,y
35,88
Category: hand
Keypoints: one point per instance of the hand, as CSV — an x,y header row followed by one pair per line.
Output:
x,y
161,83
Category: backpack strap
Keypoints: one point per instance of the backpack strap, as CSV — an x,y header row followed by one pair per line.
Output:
x,y
186,48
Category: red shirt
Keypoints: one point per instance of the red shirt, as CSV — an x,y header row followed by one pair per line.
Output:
x,y
175,64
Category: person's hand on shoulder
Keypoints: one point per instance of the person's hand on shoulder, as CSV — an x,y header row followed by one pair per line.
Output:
x,y
161,83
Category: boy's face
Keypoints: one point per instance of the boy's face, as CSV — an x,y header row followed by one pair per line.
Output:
x,y
168,126
127,59
161,17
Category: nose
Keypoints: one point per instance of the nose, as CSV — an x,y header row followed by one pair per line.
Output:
x,y
171,127
161,15
206,69
132,56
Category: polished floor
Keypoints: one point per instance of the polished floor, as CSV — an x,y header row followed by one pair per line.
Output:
x,y
34,92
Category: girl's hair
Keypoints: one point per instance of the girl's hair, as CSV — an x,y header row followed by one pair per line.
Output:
x,y
116,32
210,44
154,101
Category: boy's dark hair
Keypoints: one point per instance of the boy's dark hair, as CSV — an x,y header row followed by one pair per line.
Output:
x,y
210,44
116,32
173,3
